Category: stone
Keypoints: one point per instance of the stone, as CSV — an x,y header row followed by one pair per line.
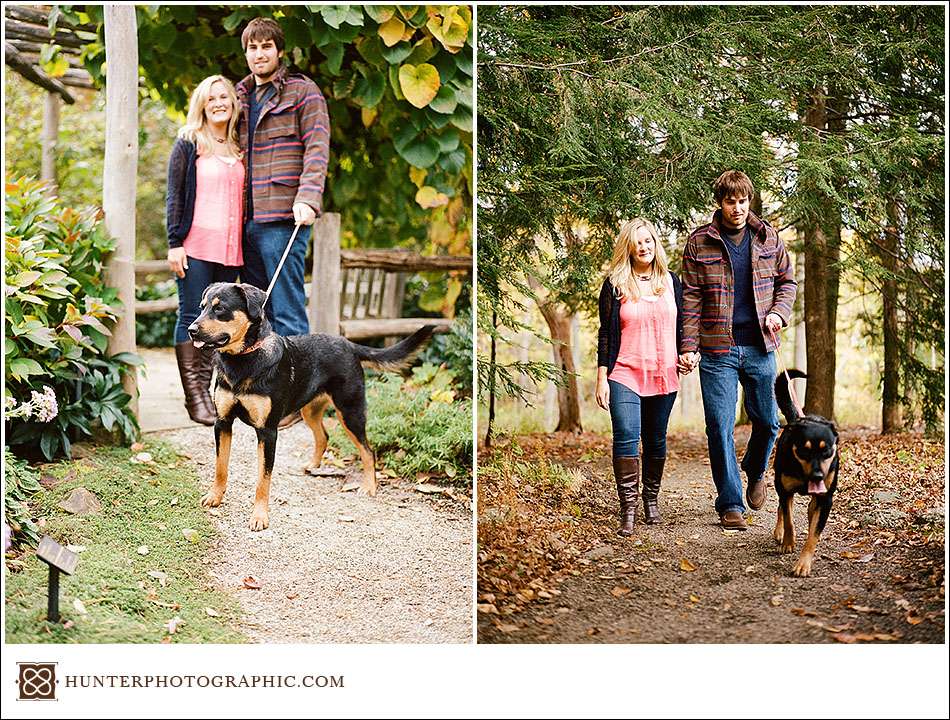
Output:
x,y
81,502
600,552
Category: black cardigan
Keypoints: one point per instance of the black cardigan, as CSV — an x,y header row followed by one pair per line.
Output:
x,y
180,195
608,338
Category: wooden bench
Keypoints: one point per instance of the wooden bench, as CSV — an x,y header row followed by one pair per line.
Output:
x,y
356,293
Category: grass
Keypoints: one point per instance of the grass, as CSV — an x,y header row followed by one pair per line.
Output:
x,y
118,586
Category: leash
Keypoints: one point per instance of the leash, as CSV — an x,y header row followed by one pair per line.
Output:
x,y
273,281
280,265
788,380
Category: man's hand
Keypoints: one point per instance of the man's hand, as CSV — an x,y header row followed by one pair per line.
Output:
x,y
304,214
177,261
686,362
773,322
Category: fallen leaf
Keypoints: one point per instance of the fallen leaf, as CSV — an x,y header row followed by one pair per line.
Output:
x,y
79,606
346,518
143,550
487,608
619,591
802,612
866,609
293,596
143,457
68,624
212,612
865,558
252,583
508,628
159,575
172,625
776,600
546,621
76,548
686,565
693,598
137,447
750,568
913,618
173,501
214,512
190,535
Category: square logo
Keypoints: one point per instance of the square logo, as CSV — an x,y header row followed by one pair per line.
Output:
x,y
37,681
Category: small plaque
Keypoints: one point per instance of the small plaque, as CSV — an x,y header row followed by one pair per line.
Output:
x,y
52,553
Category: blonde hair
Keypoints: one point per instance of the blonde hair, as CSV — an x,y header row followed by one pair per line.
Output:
x,y
196,128
620,272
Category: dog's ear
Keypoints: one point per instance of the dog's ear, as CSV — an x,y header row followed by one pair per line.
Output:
x,y
207,292
254,299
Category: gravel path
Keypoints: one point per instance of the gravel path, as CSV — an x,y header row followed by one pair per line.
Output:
x,y
336,567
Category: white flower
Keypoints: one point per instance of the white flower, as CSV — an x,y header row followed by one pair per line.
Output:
x,y
44,405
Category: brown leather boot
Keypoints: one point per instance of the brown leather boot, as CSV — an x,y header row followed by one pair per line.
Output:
x,y
627,475
652,475
197,398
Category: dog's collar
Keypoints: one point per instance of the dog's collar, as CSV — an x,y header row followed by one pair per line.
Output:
x,y
256,346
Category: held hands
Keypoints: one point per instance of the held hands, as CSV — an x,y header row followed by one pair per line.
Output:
x,y
304,214
773,323
687,362
177,261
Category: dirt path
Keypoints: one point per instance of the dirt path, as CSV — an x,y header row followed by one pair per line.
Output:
x,y
642,589
336,567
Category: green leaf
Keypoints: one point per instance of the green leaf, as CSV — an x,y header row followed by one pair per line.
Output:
x,y
419,83
421,152
369,89
397,53
448,141
462,118
463,61
423,51
380,13
445,101
24,279
446,64
22,368
233,20
370,49
453,162
334,53
394,82
334,15
127,358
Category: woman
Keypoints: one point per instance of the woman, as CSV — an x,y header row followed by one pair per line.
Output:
x,y
204,217
637,373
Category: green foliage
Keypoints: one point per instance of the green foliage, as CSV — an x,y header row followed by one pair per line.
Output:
x,y
128,597
80,151
365,60
417,425
156,329
453,351
56,325
21,482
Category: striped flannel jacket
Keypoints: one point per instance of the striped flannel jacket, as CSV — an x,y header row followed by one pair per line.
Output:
x,y
290,148
708,287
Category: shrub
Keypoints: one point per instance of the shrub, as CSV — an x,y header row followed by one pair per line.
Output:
x,y
156,329
21,483
57,314
419,425
454,350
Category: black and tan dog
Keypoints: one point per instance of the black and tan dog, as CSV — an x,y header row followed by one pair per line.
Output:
x,y
806,463
262,377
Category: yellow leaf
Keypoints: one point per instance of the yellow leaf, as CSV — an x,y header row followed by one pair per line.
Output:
x,y
693,598
418,176
428,197
419,83
451,31
368,115
391,31
443,396
686,565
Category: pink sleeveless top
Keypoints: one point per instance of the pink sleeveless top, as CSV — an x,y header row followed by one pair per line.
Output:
x,y
647,360
216,226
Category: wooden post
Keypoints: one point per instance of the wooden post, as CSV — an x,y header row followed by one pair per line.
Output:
x,y
325,288
394,285
50,139
119,173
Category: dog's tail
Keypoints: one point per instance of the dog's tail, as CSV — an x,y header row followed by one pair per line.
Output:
x,y
784,398
398,356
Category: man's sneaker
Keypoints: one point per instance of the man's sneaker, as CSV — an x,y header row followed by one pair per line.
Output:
x,y
732,520
755,494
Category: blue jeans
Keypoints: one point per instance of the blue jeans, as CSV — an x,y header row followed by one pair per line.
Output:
x,y
199,275
719,376
631,414
264,244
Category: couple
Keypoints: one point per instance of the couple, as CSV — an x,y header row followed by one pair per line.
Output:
x,y
248,165
737,292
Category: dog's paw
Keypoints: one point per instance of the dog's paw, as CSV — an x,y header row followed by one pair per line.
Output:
x,y
367,489
211,499
778,534
787,547
803,566
259,520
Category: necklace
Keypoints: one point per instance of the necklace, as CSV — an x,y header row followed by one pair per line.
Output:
x,y
644,277
221,140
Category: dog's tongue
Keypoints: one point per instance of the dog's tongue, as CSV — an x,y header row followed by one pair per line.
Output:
x,y
816,487
199,344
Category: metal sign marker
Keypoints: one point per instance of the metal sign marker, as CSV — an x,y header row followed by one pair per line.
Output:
x,y
59,560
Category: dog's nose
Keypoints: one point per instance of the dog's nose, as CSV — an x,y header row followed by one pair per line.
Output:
x,y
193,328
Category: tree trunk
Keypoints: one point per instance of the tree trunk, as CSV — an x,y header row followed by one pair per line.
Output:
x,y
891,403
822,251
491,379
568,399
801,354
119,174
50,139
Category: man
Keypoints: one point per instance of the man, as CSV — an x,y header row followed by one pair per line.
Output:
x,y
738,290
285,133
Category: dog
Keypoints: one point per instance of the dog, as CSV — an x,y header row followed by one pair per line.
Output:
x,y
262,377
806,463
